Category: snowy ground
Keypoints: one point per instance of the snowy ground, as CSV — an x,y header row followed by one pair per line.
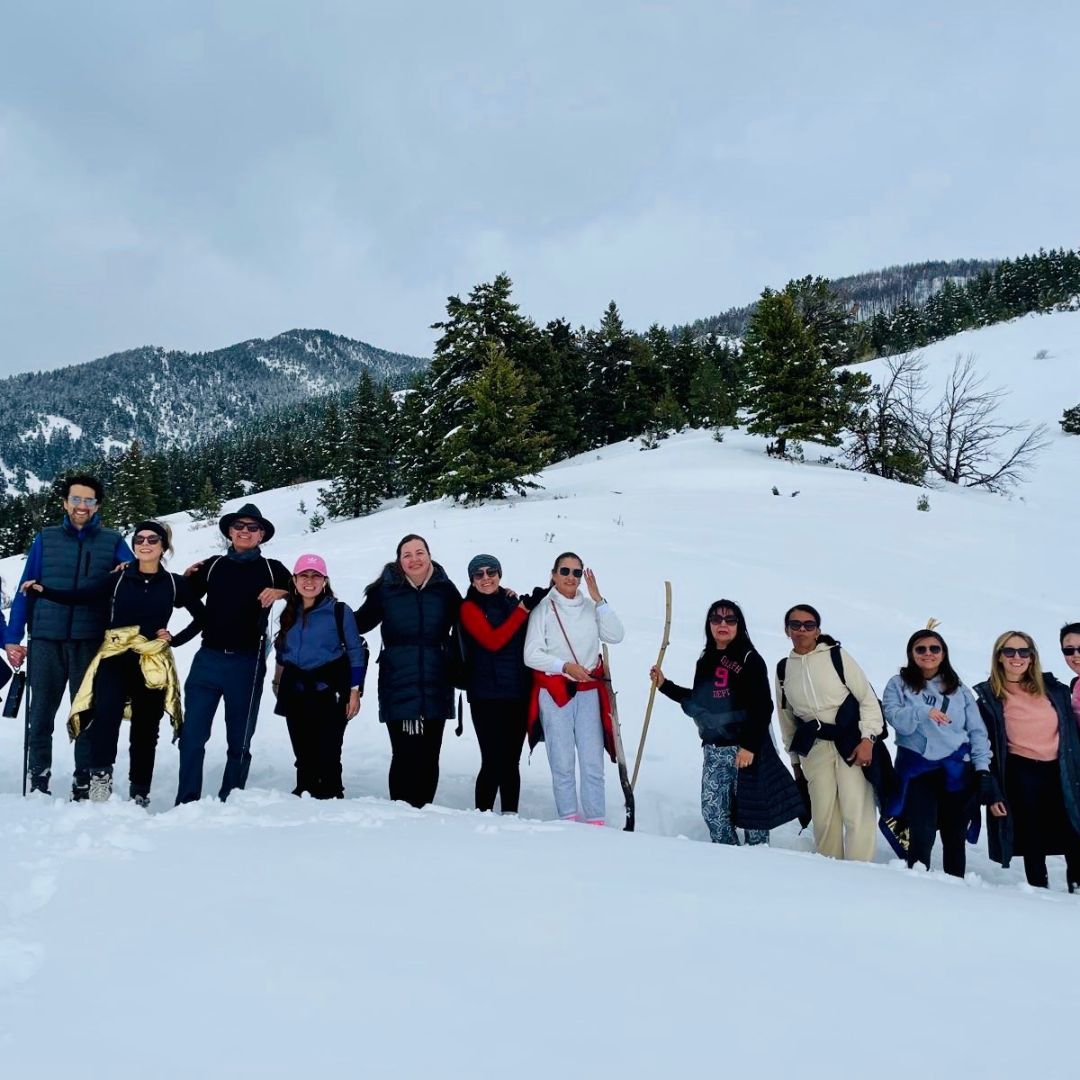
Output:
x,y
273,936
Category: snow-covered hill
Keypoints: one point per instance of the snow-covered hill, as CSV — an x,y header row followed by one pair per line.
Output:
x,y
277,937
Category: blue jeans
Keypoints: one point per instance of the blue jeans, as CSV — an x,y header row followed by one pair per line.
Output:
x,y
238,678
575,727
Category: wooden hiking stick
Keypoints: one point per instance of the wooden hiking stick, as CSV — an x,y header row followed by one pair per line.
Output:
x,y
652,691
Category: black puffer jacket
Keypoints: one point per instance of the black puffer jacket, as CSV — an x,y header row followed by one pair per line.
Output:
x,y
414,664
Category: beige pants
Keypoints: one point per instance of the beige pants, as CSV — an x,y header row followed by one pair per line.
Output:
x,y
841,805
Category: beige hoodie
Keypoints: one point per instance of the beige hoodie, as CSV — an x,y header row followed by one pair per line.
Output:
x,y
814,691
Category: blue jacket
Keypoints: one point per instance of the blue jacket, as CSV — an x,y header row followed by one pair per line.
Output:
x,y
908,712
312,642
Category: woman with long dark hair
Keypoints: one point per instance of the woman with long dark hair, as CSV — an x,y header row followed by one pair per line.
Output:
x,y
743,783
1036,747
321,663
417,606
830,719
134,664
569,708
943,754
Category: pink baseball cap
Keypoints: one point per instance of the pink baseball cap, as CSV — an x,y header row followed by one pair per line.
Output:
x,y
310,562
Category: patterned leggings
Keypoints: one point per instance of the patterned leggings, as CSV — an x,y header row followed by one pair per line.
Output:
x,y
718,779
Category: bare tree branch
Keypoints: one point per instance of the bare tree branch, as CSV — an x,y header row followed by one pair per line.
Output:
x,y
963,442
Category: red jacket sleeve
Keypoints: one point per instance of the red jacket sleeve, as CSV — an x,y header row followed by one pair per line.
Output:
x,y
492,638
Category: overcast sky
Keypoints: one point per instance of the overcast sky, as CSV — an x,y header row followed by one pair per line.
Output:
x,y
191,174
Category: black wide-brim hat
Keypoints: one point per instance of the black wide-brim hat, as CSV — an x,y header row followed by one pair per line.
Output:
x,y
248,510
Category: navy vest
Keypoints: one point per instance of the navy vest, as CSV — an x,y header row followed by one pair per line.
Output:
x,y
72,560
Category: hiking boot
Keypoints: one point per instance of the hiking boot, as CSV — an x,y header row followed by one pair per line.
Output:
x,y
80,792
100,786
141,800
40,782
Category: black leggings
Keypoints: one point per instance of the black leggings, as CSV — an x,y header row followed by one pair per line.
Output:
x,y
414,762
500,731
118,680
1040,822
317,730
931,809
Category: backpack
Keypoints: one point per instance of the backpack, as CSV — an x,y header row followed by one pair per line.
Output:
x,y
838,667
340,608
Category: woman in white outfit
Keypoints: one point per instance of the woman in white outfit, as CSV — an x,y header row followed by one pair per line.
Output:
x,y
569,708
830,719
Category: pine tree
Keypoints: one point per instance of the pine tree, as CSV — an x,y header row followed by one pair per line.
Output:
x,y
794,393
487,317
1070,421
495,449
207,505
131,491
361,474
614,406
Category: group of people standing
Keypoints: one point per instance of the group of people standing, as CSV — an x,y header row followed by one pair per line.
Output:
x,y
97,612
1011,744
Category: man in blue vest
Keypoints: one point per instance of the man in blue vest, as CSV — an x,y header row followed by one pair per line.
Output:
x,y
239,588
76,554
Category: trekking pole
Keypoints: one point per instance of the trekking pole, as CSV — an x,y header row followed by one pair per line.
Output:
x,y
26,728
652,691
620,755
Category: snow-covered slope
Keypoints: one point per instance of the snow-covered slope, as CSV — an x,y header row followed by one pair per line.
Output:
x,y
276,937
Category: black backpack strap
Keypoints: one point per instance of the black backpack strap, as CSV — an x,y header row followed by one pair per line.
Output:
x,y
339,618
781,671
116,589
837,661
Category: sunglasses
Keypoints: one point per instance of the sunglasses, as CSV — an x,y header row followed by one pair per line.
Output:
x,y
246,526
802,624
727,620
922,650
148,538
566,571
78,500
1010,652
485,572
1070,650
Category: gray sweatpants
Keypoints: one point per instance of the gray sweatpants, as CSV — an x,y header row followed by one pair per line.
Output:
x,y
576,726
51,666
718,780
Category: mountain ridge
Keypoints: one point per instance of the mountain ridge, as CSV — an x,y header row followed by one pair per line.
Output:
x,y
52,420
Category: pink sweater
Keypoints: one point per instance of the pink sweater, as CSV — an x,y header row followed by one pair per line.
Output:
x,y
1031,726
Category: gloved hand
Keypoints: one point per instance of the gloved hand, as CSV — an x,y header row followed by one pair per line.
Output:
x,y
989,790
532,599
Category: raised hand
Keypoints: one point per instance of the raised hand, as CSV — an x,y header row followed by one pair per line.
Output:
x,y
594,589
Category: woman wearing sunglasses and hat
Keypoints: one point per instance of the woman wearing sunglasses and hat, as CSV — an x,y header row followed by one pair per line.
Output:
x,y
569,707
135,663
496,679
942,758
1036,746
321,664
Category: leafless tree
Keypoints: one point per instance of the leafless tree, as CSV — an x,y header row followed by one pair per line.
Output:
x,y
883,440
963,441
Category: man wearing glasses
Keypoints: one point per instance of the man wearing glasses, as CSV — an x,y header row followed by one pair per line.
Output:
x,y
78,553
238,589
